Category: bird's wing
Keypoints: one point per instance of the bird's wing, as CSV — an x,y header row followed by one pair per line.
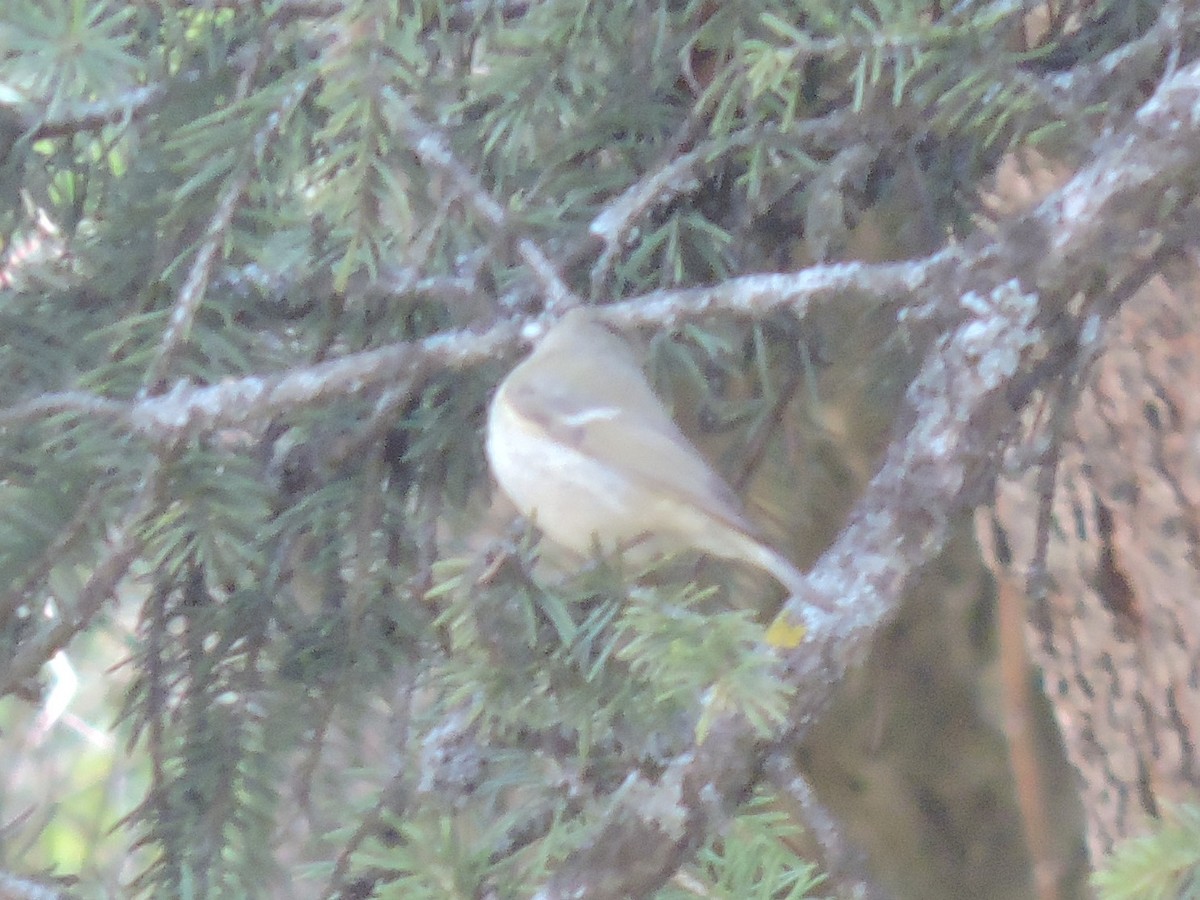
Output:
x,y
623,425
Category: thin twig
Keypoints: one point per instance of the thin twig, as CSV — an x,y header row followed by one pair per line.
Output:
x,y
433,150
53,553
844,862
125,543
133,104
191,294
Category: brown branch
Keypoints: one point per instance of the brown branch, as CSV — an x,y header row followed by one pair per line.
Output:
x,y
1092,82
133,104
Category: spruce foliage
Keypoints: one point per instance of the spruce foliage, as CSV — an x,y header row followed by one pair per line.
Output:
x,y
335,681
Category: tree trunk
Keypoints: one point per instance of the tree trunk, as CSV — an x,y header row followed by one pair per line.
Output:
x,y
1116,629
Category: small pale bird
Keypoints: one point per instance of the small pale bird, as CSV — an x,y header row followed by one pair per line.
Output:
x,y
579,441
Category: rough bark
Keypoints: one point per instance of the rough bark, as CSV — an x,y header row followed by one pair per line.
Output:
x,y
1114,611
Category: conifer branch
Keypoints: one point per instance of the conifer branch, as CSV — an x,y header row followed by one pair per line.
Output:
x,y
1010,298
191,294
126,542
432,149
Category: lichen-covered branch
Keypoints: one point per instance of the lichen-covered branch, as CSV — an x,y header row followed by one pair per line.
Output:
x,y
1010,299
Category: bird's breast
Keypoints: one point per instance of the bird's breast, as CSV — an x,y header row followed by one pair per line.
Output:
x,y
573,497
